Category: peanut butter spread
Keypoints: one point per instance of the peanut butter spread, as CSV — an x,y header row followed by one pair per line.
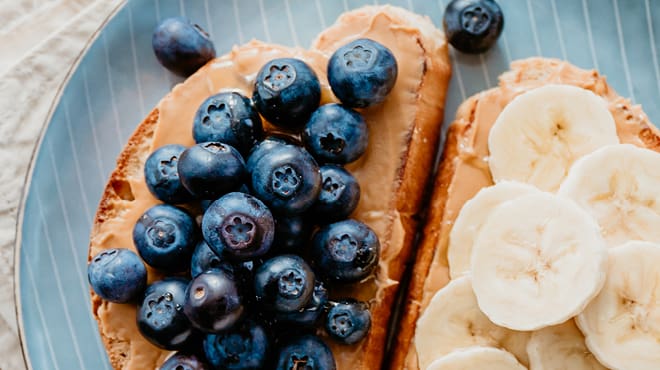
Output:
x,y
377,171
475,118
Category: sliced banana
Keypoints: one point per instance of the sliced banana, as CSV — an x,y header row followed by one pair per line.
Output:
x,y
622,324
619,185
472,216
560,347
453,320
538,260
477,358
539,134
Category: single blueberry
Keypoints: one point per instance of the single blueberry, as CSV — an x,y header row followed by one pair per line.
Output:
x,y
162,177
336,134
210,170
309,315
165,237
181,46
213,301
473,26
243,347
306,352
292,233
204,259
266,146
284,283
185,361
229,118
348,321
160,316
286,92
287,179
345,251
340,194
117,275
362,73
238,225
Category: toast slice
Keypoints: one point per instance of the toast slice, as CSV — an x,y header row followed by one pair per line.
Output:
x,y
404,134
464,171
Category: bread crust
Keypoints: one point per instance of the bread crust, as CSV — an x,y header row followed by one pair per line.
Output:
x,y
404,200
431,251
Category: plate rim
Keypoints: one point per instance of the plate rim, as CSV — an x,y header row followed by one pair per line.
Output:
x,y
27,182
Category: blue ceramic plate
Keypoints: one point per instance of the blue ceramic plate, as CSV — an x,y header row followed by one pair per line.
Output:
x,y
117,82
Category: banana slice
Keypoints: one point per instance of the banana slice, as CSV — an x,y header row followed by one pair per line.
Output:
x,y
622,324
538,260
453,320
560,347
539,134
472,216
477,358
620,186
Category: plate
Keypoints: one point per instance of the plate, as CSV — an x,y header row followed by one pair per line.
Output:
x,y
117,81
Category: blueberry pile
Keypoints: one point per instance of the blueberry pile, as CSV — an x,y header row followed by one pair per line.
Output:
x,y
253,232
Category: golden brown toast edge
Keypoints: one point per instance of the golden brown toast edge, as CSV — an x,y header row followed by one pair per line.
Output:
x,y
422,142
432,247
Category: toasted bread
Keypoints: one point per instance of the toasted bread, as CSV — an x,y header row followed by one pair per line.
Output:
x,y
404,134
464,171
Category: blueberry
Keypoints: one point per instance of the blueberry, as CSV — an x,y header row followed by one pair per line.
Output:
x,y
340,194
348,321
284,283
204,259
292,233
165,237
213,302
286,92
238,225
336,134
306,352
287,179
244,347
473,26
266,146
345,251
209,170
117,275
230,118
309,315
362,73
161,176
160,316
184,361
181,46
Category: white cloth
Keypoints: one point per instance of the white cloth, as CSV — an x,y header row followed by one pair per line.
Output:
x,y
39,42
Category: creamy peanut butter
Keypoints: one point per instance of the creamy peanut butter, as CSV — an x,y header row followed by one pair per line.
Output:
x,y
390,126
478,114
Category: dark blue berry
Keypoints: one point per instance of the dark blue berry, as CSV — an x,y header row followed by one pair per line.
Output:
x,y
209,170
336,134
244,347
117,275
473,26
184,361
229,118
345,251
161,176
284,283
340,194
309,315
348,321
362,73
204,259
286,92
238,225
213,301
165,237
181,46
307,352
160,316
292,233
266,146
287,179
